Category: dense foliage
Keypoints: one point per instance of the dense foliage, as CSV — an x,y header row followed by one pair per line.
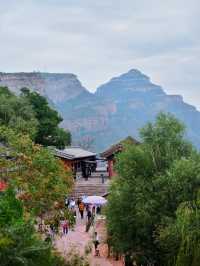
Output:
x,y
17,113
20,245
48,133
36,181
40,178
180,239
31,114
153,210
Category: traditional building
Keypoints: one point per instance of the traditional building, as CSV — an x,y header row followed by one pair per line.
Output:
x,y
78,160
109,154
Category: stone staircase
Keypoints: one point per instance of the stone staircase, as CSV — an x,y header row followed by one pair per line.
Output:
x,y
93,186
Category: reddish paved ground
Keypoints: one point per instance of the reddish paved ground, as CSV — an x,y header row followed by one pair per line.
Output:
x,y
79,239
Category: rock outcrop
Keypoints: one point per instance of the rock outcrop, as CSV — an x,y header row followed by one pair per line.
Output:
x,y
57,87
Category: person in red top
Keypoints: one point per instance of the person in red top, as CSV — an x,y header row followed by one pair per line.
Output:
x,y
65,227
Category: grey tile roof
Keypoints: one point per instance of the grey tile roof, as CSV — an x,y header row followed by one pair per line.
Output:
x,y
72,153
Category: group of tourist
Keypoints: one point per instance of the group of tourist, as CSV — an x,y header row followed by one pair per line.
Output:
x,y
58,225
63,224
86,211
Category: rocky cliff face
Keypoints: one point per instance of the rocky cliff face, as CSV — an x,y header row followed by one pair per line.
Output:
x,y
122,106
57,87
118,108
138,101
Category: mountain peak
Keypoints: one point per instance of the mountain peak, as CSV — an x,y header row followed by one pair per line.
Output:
x,y
133,80
134,74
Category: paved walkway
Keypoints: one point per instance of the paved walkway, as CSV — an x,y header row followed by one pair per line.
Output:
x,y
78,240
74,239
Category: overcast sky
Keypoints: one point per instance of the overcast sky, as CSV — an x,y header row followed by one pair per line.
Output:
x,y
99,39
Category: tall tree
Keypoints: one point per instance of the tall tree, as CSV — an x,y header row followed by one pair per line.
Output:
x,y
49,133
180,239
17,113
40,178
154,178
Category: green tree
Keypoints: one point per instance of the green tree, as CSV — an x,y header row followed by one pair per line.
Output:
x,y
17,113
48,133
165,142
33,170
19,243
154,178
180,239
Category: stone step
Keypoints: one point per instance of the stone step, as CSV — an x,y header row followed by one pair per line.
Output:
x,y
92,181
93,192
91,185
89,189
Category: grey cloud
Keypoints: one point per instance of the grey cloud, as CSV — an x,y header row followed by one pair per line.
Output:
x,y
100,39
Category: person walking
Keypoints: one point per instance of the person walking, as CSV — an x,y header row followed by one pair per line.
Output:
x,y
93,212
74,214
92,215
65,227
81,209
72,204
78,201
87,207
96,243
67,202
89,220
98,209
102,178
52,230
89,215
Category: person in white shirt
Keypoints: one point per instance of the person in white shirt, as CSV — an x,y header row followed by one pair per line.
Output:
x,y
72,204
